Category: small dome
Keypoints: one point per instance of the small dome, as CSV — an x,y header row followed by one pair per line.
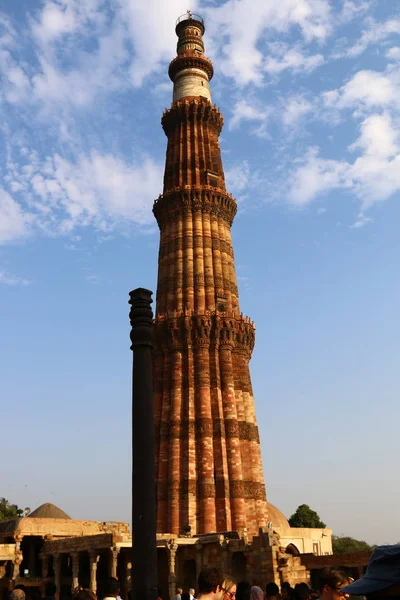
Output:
x,y
48,511
277,518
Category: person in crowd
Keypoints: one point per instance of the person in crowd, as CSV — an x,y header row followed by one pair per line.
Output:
x,y
192,592
287,592
81,593
17,594
256,593
272,591
111,589
178,595
302,592
50,591
229,589
331,582
243,590
210,584
382,577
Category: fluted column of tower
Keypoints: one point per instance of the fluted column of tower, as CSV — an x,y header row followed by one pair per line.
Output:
x,y
209,470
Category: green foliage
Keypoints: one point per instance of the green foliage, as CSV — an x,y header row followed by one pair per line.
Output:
x,y
306,517
9,511
342,543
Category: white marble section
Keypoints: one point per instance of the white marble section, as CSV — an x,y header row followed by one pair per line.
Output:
x,y
191,82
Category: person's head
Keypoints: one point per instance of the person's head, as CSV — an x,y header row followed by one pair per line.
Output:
x,y
81,593
271,590
229,589
112,587
192,591
331,581
382,577
286,590
179,591
243,590
302,591
210,581
17,594
256,593
50,589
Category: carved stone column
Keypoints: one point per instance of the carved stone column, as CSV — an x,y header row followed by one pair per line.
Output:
x,y
114,551
57,573
18,557
93,559
75,570
172,548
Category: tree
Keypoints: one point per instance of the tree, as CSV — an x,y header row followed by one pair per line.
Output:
x,y
9,511
306,517
342,543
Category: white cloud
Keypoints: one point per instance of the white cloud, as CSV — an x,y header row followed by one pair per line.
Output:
x,y
59,18
314,177
294,109
98,190
378,137
237,177
6,279
13,221
237,32
373,177
151,25
292,59
245,111
361,221
366,90
374,34
393,53
352,9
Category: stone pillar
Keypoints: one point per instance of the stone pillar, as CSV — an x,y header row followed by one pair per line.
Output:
x,y
45,571
199,559
225,558
144,543
18,557
57,573
114,551
75,570
172,548
93,560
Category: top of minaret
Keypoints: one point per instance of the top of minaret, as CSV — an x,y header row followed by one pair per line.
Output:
x,y
190,70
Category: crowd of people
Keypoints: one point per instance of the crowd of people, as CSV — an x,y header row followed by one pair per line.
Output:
x,y
380,582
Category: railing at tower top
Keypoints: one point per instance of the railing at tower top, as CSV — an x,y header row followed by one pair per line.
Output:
x,y
189,16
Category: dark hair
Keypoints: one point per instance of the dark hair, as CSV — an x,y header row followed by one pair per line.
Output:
x,y
243,590
83,594
50,589
112,587
272,589
332,577
209,580
286,586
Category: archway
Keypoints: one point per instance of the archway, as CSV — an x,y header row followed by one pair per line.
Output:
x,y
292,549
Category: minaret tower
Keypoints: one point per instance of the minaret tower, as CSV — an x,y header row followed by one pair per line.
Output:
x,y
209,470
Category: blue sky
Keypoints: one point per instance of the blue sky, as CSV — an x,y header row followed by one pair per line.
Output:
x,y
309,91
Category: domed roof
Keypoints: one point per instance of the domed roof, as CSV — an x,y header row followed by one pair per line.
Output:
x,y
277,518
49,511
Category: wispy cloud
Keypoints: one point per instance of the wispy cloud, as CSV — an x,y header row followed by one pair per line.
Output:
x,y
7,279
